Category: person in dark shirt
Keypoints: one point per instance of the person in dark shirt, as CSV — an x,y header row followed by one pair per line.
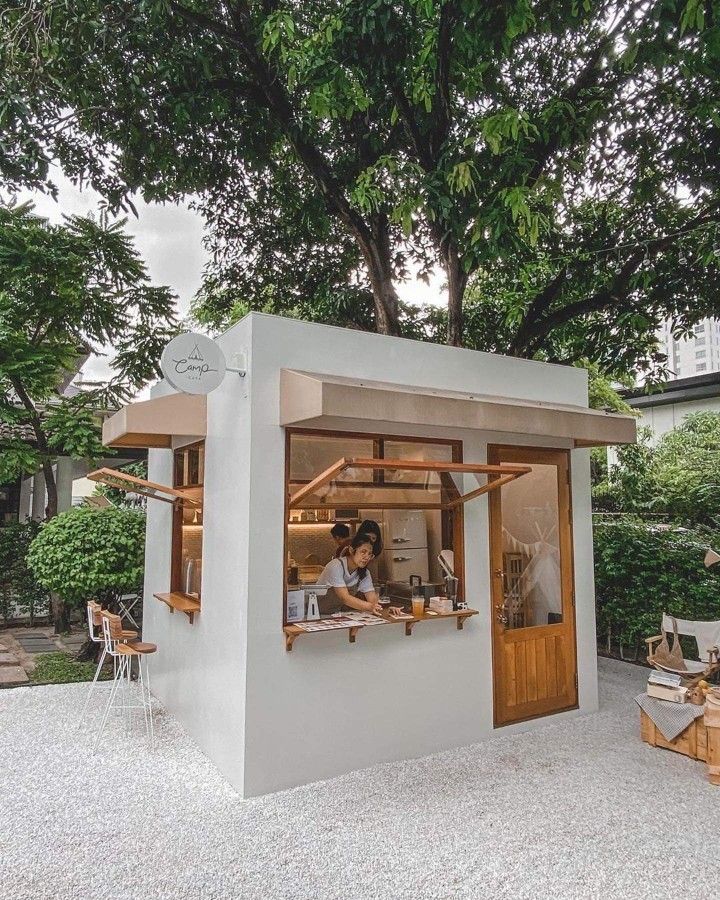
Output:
x,y
340,533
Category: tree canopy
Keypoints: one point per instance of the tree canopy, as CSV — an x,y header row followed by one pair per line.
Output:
x,y
67,291
559,161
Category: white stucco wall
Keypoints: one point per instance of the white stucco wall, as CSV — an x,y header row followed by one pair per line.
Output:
x,y
668,416
271,719
199,670
330,707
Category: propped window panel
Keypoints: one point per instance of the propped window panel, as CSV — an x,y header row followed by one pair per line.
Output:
x,y
133,485
399,484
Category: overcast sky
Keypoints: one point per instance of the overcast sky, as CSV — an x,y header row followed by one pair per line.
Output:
x,y
169,239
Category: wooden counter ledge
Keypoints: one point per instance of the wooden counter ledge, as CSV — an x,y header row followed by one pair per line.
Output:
x,y
183,602
293,632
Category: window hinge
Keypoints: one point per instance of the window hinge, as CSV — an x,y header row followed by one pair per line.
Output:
x,y
576,681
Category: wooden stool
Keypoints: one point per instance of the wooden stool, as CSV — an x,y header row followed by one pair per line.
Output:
x,y
95,632
123,654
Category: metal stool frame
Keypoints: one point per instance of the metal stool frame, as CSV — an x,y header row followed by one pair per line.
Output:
x,y
122,654
94,613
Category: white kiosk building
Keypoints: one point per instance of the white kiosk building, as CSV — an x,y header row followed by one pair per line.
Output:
x,y
447,450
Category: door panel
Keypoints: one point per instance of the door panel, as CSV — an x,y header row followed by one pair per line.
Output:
x,y
534,659
401,563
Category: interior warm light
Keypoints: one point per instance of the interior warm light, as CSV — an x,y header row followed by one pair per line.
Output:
x,y
313,524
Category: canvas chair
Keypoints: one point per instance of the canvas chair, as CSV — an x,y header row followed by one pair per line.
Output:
x,y
670,659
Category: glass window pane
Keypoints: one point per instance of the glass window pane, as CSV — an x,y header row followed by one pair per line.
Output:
x,y
417,451
179,472
193,468
310,455
531,549
191,540
188,474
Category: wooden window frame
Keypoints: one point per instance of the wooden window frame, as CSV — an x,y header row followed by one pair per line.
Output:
x,y
121,481
452,520
176,585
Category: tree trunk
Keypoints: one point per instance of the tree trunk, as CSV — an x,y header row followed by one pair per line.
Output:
x,y
378,259
386,302
457,280
60,613
58,607
89,652
51,510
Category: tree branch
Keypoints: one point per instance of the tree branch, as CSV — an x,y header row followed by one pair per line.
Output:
x,y
35,421
588,77
280,105
417,139
594,303
537,308
536,326
442,105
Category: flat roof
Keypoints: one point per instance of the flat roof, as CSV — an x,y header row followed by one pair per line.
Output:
x,y
680,390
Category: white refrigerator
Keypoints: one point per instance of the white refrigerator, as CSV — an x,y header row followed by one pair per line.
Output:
x,y
405,540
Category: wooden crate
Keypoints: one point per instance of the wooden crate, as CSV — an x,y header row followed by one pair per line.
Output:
x,y
692,742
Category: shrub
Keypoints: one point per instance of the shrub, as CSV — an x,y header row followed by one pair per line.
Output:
x,y
643,570
19,591
89,553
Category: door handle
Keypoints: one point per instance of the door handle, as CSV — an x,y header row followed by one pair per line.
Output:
x,y
500,615
401,540
498,573
401,558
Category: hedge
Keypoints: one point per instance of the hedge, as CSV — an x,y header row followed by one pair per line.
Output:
x,y
643,570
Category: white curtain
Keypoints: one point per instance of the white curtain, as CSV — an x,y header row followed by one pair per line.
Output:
x,y
540,582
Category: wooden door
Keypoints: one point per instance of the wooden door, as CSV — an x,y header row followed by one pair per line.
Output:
x,y
533,606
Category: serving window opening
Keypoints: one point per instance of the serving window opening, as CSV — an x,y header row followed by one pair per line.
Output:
x,y
403,503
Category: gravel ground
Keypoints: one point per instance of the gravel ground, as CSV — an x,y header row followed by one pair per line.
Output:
x,y
580,809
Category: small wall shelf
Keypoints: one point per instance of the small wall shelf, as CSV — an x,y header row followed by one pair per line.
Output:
x,y
183,602
293,632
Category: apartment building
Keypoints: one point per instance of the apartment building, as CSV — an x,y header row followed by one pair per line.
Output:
x,y
694,355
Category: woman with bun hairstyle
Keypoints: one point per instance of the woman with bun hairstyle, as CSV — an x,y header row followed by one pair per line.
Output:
x,y
347,576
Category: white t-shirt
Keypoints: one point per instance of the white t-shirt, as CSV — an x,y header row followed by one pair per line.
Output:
x,y
336,574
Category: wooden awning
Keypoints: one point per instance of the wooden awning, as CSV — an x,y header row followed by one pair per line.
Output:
x,y
311,400
153,423
122,481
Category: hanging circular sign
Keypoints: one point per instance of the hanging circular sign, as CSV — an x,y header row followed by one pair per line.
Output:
x,y
193,363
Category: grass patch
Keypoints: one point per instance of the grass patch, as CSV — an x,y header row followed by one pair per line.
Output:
x,y
63,668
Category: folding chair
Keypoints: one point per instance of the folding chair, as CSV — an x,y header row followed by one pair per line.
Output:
x,y
126,604
666,659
